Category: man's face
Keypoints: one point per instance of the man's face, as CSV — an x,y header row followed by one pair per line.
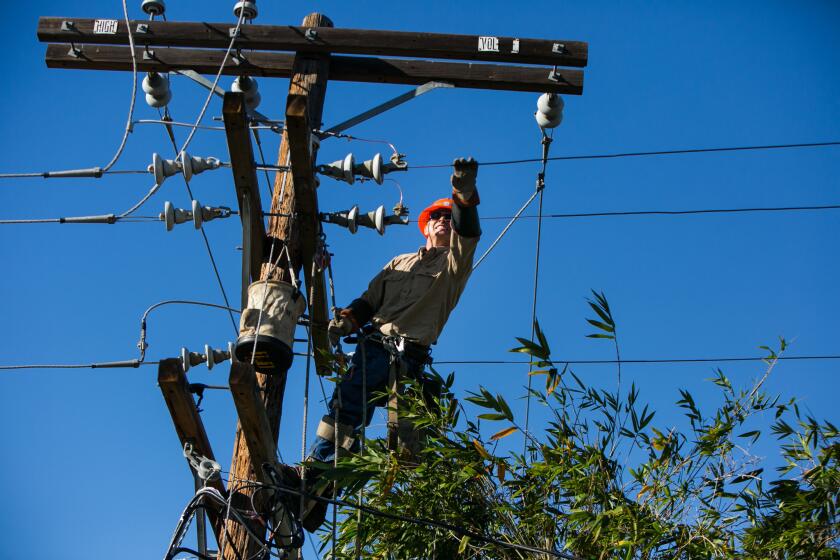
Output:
x,y
439,229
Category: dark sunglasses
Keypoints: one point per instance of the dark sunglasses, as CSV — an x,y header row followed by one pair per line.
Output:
x,y
437,215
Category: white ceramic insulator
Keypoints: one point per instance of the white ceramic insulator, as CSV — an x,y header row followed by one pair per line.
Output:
x,y
376,169
544,121
550,104
352,219
244,84
155,84
198,215
347,168
379,220
249,7
158,101
154,7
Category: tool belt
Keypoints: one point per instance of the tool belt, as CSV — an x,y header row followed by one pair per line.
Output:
x,y
399,346
401,432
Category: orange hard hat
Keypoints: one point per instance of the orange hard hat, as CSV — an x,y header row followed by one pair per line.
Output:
x,y
439,204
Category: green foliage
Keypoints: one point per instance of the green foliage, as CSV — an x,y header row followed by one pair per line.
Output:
x,y
600,479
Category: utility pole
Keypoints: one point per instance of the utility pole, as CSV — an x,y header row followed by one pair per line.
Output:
x,y
319,52
293,196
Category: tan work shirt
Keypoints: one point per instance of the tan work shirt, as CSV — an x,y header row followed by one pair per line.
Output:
x,y
415,293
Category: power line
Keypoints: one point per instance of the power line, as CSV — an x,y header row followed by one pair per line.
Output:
x,y
644,361
675,212
114,219
101,365
645,154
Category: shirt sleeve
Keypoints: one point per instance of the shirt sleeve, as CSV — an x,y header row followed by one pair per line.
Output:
x,y
369,302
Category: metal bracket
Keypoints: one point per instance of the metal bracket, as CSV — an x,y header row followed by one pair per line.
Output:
x,y
142,28
68,26
234,32
310,34
558,48
205,468
75,52
379,109
148,54
554,75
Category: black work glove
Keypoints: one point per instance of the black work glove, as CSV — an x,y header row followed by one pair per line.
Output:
x,y
463,179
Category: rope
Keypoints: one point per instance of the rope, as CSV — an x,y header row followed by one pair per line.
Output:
x,y
304,436
504,231
362,340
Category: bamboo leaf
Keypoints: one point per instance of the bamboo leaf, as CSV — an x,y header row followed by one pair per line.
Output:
x,y
465,540
503,433
481,450
600,325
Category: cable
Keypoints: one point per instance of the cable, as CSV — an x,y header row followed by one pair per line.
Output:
x,y
643,361
110,218
675,212
643,154
95,172
133,91
546,144
103,365
141,344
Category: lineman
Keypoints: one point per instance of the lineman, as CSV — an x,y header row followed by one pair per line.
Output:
x,y
403,312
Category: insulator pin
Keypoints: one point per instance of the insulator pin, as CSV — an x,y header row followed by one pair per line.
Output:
x,y
375,219
189,165
199,214
346,169
210,357
193,165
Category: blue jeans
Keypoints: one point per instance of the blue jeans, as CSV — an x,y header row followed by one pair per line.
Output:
x,y
349,391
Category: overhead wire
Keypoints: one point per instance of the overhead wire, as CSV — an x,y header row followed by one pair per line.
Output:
x,y
646,154
647,360
546,144
630,213
130,363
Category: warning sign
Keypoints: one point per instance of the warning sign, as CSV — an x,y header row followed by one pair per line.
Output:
x,y
488,44
105,26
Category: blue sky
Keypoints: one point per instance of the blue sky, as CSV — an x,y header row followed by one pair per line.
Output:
x,y
91,461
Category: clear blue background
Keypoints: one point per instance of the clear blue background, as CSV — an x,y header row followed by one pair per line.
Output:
x,y
91,464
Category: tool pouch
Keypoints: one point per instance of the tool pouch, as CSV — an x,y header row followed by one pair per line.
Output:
x,y
282,305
